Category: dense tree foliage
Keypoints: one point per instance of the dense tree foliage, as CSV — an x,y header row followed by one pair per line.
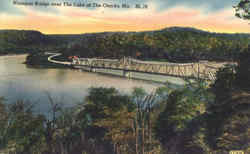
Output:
x,y
242,9
108,122
243,71
20,42
110,114
172,44
176,44
230,112
224,123
176,124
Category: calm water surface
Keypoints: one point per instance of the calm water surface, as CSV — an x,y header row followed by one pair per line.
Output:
x,y
19,82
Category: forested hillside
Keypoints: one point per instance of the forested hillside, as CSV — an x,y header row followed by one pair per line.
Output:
x,y
176,44
172,44
19,41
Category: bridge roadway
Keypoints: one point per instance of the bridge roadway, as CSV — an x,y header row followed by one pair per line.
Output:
x,y
203,69
55,61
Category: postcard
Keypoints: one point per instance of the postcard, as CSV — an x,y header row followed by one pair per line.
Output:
x,y
124,77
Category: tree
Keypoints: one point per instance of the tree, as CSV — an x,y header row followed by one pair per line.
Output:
x,y
143,124
24,129
3,123
228,117
119,126
224,83
243,70
243,9
110,119
183,106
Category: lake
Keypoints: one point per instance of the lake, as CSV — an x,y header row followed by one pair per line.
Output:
x,y
21,82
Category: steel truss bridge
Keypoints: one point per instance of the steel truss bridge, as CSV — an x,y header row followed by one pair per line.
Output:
x,y
197,70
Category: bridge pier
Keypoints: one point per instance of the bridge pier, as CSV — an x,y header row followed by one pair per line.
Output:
x,y
127,74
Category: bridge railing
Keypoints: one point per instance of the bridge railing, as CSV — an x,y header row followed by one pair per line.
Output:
x,y
201,69
160,63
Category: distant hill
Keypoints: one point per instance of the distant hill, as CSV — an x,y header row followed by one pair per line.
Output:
x,y
22,41
173,43
182,29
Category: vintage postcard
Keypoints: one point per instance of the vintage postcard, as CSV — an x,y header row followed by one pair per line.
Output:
x,y
124,77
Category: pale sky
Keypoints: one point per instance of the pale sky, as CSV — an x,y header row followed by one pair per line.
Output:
x,y
211,15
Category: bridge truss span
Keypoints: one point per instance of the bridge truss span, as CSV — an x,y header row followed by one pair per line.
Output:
x,y
200,70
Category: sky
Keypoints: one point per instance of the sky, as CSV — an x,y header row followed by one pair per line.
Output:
x,y
210,15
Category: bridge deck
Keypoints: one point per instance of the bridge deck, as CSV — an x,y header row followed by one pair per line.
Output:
x,y
204,70
55,61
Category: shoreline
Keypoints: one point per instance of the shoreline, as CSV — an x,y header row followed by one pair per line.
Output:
x,y
12,55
